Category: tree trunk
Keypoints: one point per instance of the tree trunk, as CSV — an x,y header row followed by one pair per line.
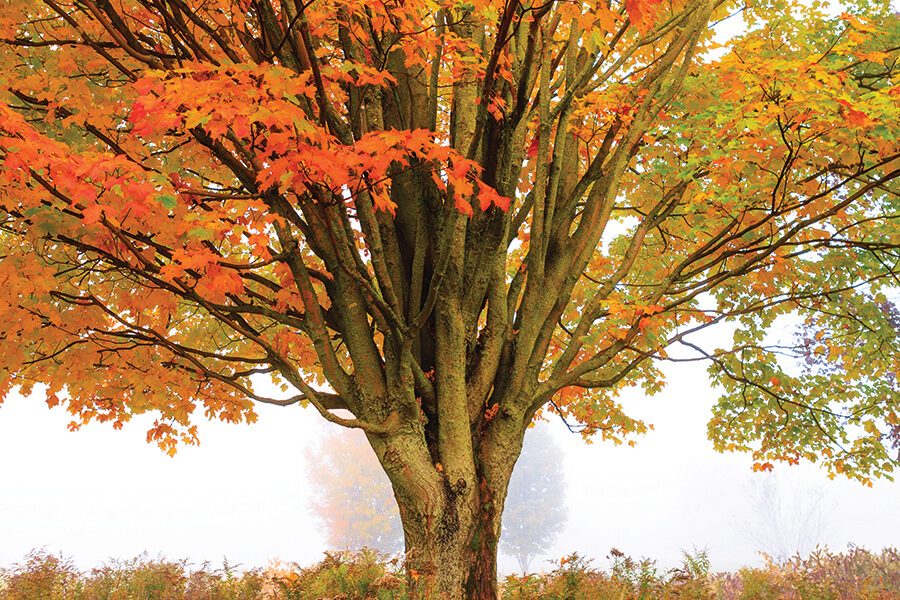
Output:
x,y
451,528
455,560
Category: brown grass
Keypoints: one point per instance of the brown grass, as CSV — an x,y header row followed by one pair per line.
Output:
x,y
367,575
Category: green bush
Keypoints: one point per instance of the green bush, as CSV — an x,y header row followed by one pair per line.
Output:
x,y
365,575
628,579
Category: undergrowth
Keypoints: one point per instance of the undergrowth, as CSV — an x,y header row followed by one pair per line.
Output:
x,y
368,575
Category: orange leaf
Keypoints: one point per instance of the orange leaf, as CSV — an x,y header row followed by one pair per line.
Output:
x,y
641,13
92,214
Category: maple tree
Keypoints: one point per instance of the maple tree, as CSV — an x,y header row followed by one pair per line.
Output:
x,y
445,216
783,525
351,495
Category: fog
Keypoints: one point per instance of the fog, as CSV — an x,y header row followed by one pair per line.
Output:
x,y
98,494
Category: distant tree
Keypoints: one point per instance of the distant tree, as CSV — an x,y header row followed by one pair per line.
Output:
x,y
784,525
353,501
352,496
535,504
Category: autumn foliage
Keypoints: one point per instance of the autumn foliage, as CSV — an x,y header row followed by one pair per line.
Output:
x,y
445,217
351,496
856,573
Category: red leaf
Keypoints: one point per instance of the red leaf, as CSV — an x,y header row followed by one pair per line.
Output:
x,y
488,195
857,117
92,214
641,13
533,147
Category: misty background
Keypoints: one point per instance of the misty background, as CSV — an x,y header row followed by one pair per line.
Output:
x,y
243,494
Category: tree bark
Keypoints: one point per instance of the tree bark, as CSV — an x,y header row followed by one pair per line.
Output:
x,y
451,528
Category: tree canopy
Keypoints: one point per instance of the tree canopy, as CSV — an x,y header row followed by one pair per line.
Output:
x,y
445,216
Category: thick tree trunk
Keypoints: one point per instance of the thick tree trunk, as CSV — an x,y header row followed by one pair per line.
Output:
x,y
451,528
454,561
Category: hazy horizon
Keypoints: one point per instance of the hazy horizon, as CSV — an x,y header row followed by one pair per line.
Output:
x,y
98,494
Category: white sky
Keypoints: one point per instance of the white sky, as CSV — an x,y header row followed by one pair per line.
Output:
x,y
98,493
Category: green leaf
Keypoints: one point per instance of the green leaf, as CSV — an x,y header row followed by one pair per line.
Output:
x,y
200,233
168,201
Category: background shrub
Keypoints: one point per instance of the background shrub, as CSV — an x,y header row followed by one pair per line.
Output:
x,y
369,575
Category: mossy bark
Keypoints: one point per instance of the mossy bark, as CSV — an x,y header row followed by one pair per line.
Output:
x,y
451,526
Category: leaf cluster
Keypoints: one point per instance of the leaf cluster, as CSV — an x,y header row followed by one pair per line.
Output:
x,y
444,217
